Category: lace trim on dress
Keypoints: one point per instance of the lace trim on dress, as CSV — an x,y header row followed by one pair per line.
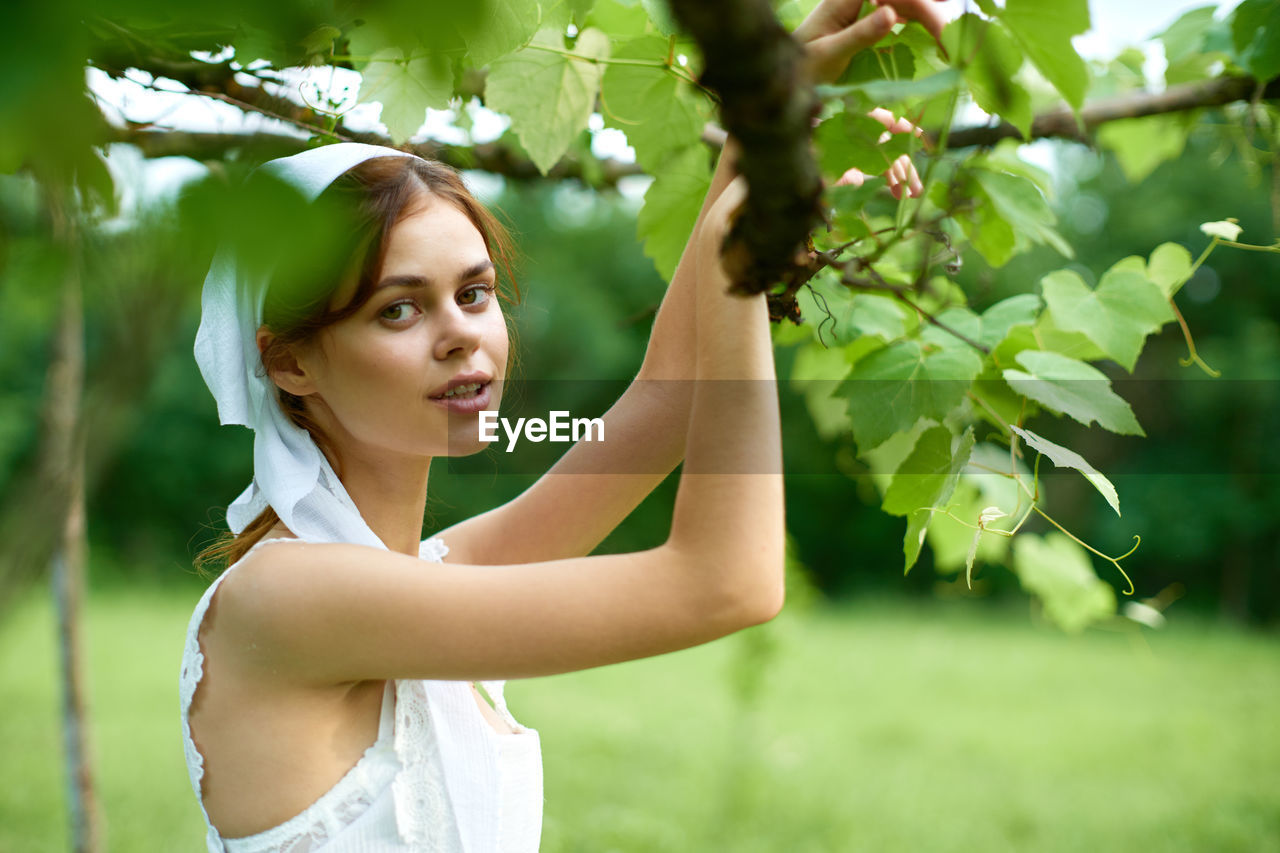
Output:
x,y
419,798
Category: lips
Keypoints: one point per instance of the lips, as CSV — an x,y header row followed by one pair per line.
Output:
x,y
469,399
474,378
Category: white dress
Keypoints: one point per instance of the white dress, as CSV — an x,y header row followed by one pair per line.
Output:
x,y
439,777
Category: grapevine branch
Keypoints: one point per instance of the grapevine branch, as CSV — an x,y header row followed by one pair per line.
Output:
x,y
1061,122
767,103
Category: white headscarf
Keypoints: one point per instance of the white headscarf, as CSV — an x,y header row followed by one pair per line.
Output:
x,y
290,474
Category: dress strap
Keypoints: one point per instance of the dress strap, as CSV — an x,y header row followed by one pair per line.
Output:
x,y
386,722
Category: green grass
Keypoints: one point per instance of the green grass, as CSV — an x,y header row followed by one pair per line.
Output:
x,y
877,727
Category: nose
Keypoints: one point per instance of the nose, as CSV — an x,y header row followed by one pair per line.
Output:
x,y
457,333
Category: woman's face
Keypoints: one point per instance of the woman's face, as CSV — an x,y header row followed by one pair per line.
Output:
x,y
433,318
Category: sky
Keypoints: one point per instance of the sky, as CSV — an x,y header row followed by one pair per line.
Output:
x,y
1115,24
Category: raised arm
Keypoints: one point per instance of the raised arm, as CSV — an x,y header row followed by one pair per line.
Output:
x,y
328,613
589,491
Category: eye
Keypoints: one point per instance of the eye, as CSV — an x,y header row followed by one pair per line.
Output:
x,y
472,295
397,311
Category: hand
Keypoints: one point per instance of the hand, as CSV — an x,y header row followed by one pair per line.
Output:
x,y
832,33
902,173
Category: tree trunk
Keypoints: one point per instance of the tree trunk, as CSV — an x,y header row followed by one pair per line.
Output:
x,y
64,467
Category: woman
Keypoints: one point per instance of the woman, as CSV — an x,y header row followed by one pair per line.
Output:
x,y
328,682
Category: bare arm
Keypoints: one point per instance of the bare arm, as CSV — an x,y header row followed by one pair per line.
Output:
x,y
331,613
569,510
594,486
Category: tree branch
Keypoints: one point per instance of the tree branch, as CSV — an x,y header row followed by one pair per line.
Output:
x,y
767,104
1061,123
495,157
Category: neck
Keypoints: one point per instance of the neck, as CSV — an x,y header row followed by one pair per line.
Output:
x,y
391,493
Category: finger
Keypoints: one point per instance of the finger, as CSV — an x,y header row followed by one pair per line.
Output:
x,y
923,11
901,180
853,177
913,179
829,17
892,124
835,50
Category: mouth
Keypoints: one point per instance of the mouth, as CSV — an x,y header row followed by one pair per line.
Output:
x,y
466,398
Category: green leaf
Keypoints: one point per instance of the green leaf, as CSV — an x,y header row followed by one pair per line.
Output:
x,y
1142,144
671,206
1255,33
815,373
889,91
849,141
1185,36
660,15
549,96
1044,30
917,527
993,58
928,476
845,315
953,542
620,20
1000,318
990,328
1057,571
1170,267
1064,458
658,113
509,26
405,89
1020,203
1117,315
894,387
1074,388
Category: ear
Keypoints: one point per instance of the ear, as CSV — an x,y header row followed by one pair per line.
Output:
x,y
290,374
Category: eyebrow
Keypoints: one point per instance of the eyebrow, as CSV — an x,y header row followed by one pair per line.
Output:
x,y
409,280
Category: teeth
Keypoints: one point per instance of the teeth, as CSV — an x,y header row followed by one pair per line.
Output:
x,y
463,390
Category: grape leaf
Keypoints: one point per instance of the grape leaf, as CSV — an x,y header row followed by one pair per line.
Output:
x,y
1117,315
993,58
671,206
928,476
891,389
1044,31
951,540
846,315
657,112
1142,144
987,329
1255,33
1074,388
1185,36
1064,458
405,89
889,91
917,527
660,15
849,141
1057,571
548,96
1019,203
509,26
1170,267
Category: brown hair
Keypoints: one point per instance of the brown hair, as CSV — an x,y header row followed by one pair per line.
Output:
x,y
378,192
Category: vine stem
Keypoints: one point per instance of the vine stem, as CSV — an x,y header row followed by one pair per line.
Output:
x,y
596,60
1115,561
1193,357
244,105
993,412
